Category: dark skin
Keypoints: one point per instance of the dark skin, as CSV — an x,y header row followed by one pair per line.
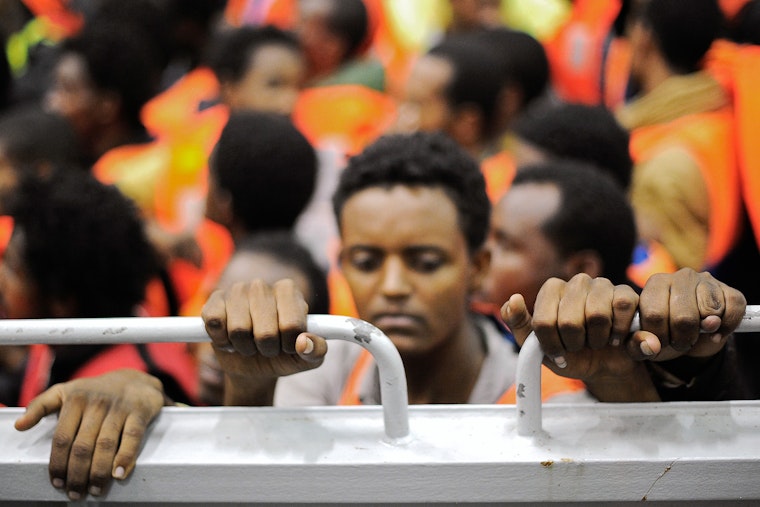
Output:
x,y
582,325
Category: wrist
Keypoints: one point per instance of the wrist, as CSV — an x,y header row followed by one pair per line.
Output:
x,y
248,391
633,386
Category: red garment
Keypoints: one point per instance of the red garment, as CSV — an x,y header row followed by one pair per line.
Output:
x,y
172,359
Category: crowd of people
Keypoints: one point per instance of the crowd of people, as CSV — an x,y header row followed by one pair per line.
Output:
x,y
445,170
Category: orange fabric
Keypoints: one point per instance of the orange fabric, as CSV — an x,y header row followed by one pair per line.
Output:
x,y
738,68
498,171
709,138
6,230
617,69
63,21
282,14
194,285
172,358
341,299
180,193
348,117
575,52
170,112
731,8
657,260
551,385
350,394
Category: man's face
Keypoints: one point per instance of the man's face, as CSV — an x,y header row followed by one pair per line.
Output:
x,y
522,257
425,107
272,82
406,261
73,95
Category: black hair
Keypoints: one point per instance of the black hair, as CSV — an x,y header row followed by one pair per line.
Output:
x,y
230,52
30,136
349,20
594,214
83,242
524,60
422,159
580,132
284,247
268,167
119,60
683,29
745,27
477,76
145,18
6,78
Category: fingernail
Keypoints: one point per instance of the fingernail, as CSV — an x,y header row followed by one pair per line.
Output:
x,y
118,473
615,342
560,361
645,349
58,483
73,495
716,338
95,491
309,346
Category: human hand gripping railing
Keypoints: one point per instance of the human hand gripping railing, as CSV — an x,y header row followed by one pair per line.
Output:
x,y
528,377
191,329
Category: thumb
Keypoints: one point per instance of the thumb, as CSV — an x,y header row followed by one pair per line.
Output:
x,y
517,317
311,348
45,404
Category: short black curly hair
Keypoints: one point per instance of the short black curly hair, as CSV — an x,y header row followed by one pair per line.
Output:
x,y
230,52
422,159
594,213
119,60
83,242
268,167
579,132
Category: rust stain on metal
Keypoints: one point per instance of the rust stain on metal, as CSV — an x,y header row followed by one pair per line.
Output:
x,y
547,463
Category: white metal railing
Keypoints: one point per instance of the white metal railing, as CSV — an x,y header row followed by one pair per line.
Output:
x,y
662,452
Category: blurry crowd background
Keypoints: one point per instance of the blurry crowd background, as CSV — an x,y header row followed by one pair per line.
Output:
x,y
221,120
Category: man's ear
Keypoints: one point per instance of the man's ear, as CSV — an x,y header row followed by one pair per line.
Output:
x,y
584,261
481,263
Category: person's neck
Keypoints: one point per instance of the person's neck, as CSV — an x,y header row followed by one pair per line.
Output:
x,y
449,373
657,73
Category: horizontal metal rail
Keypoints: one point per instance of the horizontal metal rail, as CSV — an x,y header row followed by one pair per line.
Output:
x,y
528,377
191,329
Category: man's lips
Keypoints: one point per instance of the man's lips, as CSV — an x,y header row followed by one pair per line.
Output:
x,y
396,321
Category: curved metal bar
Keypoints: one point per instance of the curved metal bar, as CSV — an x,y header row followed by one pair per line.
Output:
x,y
191,329
528,377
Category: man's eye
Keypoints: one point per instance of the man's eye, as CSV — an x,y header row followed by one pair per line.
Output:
x,y
426,263
365,263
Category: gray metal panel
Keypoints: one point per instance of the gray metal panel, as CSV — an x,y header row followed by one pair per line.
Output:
x,y
588,453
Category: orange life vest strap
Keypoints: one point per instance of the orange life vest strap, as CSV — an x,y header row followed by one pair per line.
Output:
x,y
709,138
551,385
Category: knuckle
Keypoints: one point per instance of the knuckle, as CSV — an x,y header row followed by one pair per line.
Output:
x,y
61,442
107,444
81,450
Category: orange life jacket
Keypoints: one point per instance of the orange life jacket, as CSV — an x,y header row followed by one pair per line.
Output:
x,y
551,384
576,51
347,117
737,67
170,112
170,361
709,138
498,171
